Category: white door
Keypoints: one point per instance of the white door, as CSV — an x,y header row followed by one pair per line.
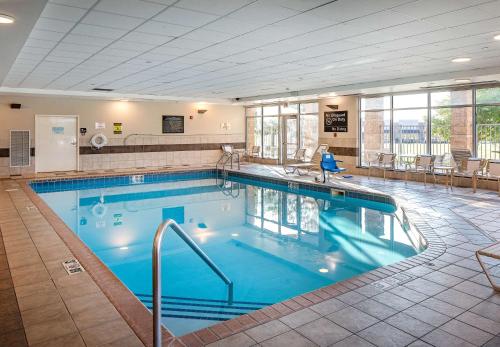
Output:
x,y
56,143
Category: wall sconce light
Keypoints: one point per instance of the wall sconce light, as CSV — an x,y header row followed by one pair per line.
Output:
x,y
201,111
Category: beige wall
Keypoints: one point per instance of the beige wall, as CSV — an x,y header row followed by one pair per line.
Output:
x,y
137,117
348,139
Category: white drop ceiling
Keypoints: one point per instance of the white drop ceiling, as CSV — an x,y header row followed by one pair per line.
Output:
x,y
224,49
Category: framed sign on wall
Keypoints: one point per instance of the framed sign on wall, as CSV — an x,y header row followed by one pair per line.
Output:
x,y
173,124
335,122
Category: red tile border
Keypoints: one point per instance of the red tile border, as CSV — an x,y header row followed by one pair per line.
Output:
x,y
137,316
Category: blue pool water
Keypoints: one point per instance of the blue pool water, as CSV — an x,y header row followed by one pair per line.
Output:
x,y
272,243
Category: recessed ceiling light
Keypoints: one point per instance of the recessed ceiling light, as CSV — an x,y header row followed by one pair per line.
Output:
x,y
124,248
323,270
5,19
460,60
462,80
497,37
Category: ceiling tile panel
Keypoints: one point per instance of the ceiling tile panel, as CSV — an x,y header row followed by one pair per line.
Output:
x,y
262,13
180,16
162,28
86,4
60,26
132,8
150,39
56,11
111,20
98,31
216,7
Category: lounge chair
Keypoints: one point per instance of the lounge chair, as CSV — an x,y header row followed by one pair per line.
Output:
x,y
492,251
329,164
228,155
306,165
460,156
253,153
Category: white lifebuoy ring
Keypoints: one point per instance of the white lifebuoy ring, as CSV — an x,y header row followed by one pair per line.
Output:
x,y
99,210
99,140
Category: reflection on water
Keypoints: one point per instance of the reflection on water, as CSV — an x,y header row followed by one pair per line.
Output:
x,y
328,225
272,243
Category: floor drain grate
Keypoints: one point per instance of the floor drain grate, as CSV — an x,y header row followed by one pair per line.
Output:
x,y
73,266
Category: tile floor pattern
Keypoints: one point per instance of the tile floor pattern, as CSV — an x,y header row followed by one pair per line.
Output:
x,y
448,303
56,309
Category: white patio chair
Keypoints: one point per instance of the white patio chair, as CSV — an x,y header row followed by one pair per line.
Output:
x,y
252,153
385,162
473,167
423,165
493,172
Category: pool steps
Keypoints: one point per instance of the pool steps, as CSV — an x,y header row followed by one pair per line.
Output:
x,y
199,308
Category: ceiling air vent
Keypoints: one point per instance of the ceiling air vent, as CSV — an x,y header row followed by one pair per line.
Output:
x,y
103,89
19,148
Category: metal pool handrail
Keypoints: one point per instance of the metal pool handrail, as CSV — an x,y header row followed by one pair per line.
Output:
x,y
162,228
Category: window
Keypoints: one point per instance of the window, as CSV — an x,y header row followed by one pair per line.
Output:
x,y
434,123
488,122
375,127
270,137
410,101
254,132
410,132
309,128
309,133
254,128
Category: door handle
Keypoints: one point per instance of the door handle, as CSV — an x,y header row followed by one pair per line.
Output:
x,y
73,142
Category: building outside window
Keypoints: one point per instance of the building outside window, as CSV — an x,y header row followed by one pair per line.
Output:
x,y
431,122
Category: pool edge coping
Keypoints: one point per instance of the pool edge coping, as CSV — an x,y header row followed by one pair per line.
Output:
x,y
139,318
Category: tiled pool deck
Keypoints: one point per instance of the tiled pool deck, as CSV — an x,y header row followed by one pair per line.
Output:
x,y
438,298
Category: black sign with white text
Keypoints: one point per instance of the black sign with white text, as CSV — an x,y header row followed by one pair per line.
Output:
x,y
173,124
336,122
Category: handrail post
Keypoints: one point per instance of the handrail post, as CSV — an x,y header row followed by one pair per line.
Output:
x,y
160,232
157,335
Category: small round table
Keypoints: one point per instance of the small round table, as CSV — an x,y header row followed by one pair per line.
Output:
x,y
448,171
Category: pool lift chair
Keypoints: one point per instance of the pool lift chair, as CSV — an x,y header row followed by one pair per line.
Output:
x,y
329,164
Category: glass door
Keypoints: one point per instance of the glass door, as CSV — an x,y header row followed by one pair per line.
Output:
x,y
290,138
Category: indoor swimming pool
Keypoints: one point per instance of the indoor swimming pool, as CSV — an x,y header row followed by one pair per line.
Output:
x,y
274,241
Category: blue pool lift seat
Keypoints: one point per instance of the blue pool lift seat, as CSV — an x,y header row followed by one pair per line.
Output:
x,y
329,164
